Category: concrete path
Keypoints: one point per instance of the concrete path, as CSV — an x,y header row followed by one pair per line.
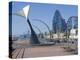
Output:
x,y
40,51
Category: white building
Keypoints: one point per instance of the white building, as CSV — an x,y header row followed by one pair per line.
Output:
x,y
73,34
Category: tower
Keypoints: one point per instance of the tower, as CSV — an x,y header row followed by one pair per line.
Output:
x,y
58,23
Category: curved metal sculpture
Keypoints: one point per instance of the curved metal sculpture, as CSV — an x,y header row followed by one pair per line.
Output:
x,y
39,35
34,38
37,28
45,25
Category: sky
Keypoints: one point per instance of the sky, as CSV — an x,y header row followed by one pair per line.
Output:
x,y
43,12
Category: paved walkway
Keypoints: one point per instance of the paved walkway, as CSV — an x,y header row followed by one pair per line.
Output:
x,y
39,51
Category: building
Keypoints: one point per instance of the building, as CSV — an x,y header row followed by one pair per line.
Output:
x,y
59,26
58,23
72,27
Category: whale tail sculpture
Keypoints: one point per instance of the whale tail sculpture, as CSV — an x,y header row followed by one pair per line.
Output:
x,y
34,38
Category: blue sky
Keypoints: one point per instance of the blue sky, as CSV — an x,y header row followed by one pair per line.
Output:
x,y
44,12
